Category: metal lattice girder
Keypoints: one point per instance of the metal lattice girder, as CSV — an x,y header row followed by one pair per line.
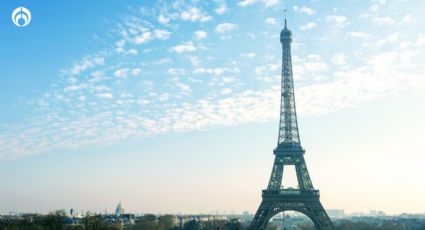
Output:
x,y
288,126
306,203
276,198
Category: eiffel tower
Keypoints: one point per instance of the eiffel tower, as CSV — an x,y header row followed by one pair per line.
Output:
x,y
276,198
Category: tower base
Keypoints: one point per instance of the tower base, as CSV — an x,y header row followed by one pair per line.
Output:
x,y
306,202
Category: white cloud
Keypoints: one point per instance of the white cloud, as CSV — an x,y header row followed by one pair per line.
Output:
x,y
226,91
314,57
420,40
136,71
215,71
245,3
339,20
86,63
266,69
312,66
393,38
74,87
176,71
380,75
162,34
99,88
271,21
308,26
269,3
384,75
228,80
408,19
339,59
163,20
249,55
225,27
194,60
132,52
194,14
164,97
105,95
121,72
377,5
221,9
305,10
162,61
120,46
318,66
98,74
142,38
375,75
383,21
183,87
390,39
356,34
143,102
185,47
200,34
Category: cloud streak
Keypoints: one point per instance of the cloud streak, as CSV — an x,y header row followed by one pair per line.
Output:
x,y
154,79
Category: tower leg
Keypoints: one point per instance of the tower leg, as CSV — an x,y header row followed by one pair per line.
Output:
x,y
311,208
260,218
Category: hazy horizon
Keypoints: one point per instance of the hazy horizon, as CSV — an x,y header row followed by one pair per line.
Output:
x,y
173,107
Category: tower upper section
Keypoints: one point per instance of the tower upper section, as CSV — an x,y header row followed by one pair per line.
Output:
x,y
289,139
285,34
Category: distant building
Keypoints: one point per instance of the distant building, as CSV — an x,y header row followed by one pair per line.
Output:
x,y
376,213
357,214
336,213
246,216
119,210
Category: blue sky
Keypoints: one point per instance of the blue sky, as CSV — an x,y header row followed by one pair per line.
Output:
x,y
140,98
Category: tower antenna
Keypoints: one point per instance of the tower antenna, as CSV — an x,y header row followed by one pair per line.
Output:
x,y
285,17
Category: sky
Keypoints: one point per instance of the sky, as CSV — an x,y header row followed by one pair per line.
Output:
x,y
172,106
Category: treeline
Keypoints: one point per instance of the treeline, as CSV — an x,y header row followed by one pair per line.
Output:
x,y
167,222
59,221
56,221
386,225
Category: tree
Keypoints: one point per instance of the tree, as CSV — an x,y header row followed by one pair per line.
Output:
x,y
54,220
97,222
166,222
233,224
192,225
147,221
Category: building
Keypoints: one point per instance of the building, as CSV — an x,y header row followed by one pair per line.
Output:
x,y
119,210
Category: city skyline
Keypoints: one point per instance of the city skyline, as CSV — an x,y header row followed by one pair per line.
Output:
x,y
173,107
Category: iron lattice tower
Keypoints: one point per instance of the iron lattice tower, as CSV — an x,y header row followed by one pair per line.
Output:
x,y
276,198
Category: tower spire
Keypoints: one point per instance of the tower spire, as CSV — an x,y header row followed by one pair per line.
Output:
x,y
285,17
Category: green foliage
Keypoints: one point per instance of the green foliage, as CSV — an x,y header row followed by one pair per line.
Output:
x,y
59,221
54,220
166,221
349,225
150,221
192,225
96,222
